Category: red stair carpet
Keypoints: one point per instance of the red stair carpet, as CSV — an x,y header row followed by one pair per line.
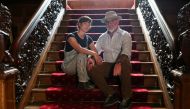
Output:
x,y
57,90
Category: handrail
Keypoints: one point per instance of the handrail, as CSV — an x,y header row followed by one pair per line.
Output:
x,y
43,56
28,29
158,70
166,30
28,47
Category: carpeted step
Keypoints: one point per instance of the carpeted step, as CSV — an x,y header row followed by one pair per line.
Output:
x,y
84,105
56,90
97,105
73,22
99,29
99,16
136,45
62,79
99,11
136,55
89,106
95,36
137,66
66,94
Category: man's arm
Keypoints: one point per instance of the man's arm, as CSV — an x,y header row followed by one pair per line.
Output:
x,y
126,47
125,54
98,59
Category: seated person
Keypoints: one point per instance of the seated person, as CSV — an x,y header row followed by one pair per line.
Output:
x,y
116,45
78,47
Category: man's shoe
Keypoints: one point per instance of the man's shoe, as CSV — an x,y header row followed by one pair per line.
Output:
x,y
125,104
111,100
85,85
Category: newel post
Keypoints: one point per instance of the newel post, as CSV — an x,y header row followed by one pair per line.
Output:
x,y
181,90
7,89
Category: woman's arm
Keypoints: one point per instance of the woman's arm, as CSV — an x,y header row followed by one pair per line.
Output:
x,y
73,42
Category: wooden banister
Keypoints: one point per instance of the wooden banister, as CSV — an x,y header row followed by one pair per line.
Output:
x,y
166,30
39,65
158,70
29,28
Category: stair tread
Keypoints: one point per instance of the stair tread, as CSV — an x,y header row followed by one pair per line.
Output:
x,y
58,51
133,62
44,89
96,41
38,106
101,26
67,20
103,9
145,75
99,33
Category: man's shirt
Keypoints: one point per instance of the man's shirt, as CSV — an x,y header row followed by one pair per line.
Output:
x,y
119,43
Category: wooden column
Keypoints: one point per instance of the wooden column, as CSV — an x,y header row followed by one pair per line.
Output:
x,y
182,90
7,89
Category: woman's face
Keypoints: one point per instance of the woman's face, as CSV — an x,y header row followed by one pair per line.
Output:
x,y
84,26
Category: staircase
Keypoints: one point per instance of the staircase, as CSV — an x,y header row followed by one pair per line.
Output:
x,y
56,90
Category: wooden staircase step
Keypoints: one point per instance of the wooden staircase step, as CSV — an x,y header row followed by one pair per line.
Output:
x,y
99,29
143,81
95,36
98,16
73,22
101,11
136,45
37,106
136,55
137,66
39,94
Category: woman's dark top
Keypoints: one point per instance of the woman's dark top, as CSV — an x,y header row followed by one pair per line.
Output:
x,y
83,42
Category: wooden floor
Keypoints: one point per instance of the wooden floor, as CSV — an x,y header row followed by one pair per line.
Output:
x,y
94,4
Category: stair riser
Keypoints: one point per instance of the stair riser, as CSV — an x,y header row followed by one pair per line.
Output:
x,y
136,56
140,46
102,11
147,82
99,23
145,68
101,29
96,16
155,105
41,97
62,37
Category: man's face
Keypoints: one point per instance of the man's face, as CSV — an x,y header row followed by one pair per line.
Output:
x,y
112,25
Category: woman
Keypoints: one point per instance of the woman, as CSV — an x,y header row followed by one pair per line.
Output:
x,y
78,47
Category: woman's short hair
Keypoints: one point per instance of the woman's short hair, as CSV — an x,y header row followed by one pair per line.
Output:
x,y
84,19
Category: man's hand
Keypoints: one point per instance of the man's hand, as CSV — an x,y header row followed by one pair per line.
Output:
x,y
98,59
117,69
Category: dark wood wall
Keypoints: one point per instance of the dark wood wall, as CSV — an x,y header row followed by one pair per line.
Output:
x,y
169,10
21,13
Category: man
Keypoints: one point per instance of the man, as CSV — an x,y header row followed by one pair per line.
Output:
x,y
116,45
78,46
